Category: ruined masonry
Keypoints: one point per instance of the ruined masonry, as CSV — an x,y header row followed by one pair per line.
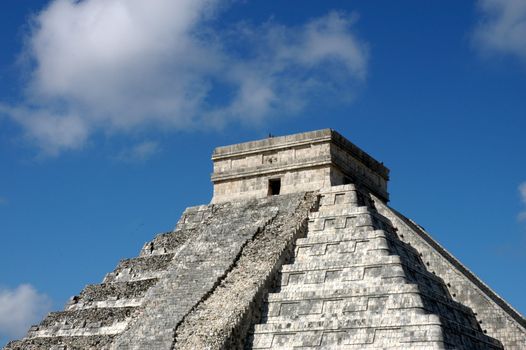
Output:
x,y
298,250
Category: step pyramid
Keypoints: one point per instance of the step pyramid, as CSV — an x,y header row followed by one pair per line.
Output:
x,y
298,249
142,301
355,284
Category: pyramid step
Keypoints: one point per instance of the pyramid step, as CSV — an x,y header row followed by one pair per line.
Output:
x,y
83,322
62,343
341,293
342,250
387,273
193,217
374,273
339,195
348,232
329,308
392,283
337,340
110,293
332,301
456,333
338,256
339,285
420,332
339,236
328,211
340,222
140,268
337,189
341,262
166,242
119,303
381,271
420,338
333,314
296,300
347,321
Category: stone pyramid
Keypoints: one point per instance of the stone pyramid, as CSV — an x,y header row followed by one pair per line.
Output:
x,y
298,250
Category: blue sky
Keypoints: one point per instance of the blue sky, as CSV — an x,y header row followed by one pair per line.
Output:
x,y
109,112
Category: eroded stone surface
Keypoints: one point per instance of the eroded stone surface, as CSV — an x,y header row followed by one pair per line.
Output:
x,y
223,319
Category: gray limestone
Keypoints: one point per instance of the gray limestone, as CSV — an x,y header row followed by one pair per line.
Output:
x,y
354,284
298,249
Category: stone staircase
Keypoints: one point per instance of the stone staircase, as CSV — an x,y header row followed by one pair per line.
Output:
x,y
140,304
354,284
92,319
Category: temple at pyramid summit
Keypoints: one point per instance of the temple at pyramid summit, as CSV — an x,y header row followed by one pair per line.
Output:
x,y
298,249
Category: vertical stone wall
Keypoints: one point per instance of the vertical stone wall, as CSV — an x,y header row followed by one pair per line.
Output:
x,y
349,167
292,181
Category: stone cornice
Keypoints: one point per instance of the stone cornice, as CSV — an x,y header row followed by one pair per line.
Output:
x,y
272,144
266,170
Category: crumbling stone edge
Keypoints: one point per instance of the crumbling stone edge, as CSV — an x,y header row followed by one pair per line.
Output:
x,y
218,282
224,316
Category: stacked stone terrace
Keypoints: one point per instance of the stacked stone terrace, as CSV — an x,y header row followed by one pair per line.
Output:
x,y
354,284
143,301
298,250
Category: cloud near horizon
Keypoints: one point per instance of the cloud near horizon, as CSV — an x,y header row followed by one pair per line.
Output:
x,y
502,28
120,66
20,308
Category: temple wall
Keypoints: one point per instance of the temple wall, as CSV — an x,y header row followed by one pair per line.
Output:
x,y
303,162
347,166
257,187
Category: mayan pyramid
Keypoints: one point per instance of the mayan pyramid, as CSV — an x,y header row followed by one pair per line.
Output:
x,y
298,249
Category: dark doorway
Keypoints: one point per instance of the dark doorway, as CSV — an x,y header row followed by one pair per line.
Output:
x,y
274,186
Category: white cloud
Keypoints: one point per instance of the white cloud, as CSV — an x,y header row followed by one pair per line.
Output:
x,y
522,193
52,132
502,28
20,308
123,65
139,152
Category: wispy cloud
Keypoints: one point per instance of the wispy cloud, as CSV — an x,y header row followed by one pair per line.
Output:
x,y
19,308
139,152
502,28
120,66
3,201
522,193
